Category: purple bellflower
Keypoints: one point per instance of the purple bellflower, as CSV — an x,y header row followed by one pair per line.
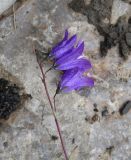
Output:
x,y
68,57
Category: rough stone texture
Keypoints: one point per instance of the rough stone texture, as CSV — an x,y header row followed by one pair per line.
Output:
x,y
122,8
5,4
26,136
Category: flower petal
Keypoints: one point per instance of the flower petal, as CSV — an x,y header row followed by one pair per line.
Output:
x,y
77,81
61,43
75,53
78,63
69,45
67,76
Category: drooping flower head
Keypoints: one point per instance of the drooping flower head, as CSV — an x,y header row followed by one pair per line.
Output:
x,y
68,57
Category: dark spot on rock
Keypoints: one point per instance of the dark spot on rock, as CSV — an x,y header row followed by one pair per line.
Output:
x,y
77,6
33,4
5,144
129,22
9,98
95,108
99,11
109,149
3,36
104,112
27,12
86,118
73,140
125,108
128,39
95,105
95,118
27,96
54,138
58,154
113,112
123,49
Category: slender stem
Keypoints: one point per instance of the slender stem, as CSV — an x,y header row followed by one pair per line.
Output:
x,y
54,103
14,17
52,67
54,98
61,139
44,82
52,108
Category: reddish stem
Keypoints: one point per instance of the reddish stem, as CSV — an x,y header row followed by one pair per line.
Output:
x,y
52,108
54,103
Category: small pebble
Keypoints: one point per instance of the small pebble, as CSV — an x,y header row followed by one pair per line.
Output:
x,y
95,118
125,108
73,140
86,118
109,149
5,144
95,108
54,138
104,112
95,105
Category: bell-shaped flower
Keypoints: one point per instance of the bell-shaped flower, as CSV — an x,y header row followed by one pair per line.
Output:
x,y
68,57
75,79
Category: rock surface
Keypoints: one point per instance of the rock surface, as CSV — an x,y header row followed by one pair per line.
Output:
x,y
27,134
122,8
5,4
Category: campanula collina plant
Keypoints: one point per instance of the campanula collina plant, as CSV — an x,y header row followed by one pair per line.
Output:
x,y
68,57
